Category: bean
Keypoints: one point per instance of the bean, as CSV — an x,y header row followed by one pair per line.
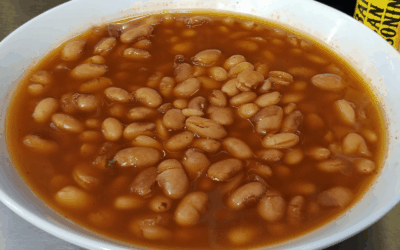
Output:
x,y
75,199
240,67
345,111
90,136
73,50
207,145
103,218
179,141
87,176
335,197
36,89
293,157
335,148
105,46
328,82
146,141
248,110
192,112
87,103
187,87
270,155
369,135
295,210
245,196
141,113
160,203
166,87
301,187
88,150
137,157
199,70
232,184
67,123
268,119
112,129
118,94
152,226
191,208
148,96
143,44
280,141
291,123
189,33
162,131
265,87
242,98
184,48
223,116
206,184
318,153
229,87
292,97
40,145
237,148
249,79
303,72
136,54
180,103
172,179
195,161
261,170
67,103
289,108
183,72
354,144
242,235
233,60
218,98
198,103
45,109
128,202
88,71
96,60
135,129
332,165
218,73
364,166
225,169
299,85
207,58
94,85
143,182
135,34
268,99
42,77
174,119
280,78
205,127
93,123
272,207
248,46
154,80
314,121
316,59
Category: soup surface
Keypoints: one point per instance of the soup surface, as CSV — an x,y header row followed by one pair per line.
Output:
x,y
197,130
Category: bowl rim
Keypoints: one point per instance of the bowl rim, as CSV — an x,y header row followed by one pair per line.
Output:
x,y
90,242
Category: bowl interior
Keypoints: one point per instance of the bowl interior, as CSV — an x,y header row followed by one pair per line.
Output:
x,y
376,60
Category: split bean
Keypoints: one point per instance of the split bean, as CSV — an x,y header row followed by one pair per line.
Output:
x,y
246,195
191,208
144,181
172,179
205,127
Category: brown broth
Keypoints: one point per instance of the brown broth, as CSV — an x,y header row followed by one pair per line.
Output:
x,y
38,170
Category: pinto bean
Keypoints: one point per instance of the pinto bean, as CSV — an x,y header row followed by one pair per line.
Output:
x,y
218,73
318,153
223,116
148,96
141,113
128,202
335,197
270,155
95,85
195,161
87,103
245,196
280,141
345,111
166,87
118,94
205,127
242,234
207,145
249,79
172,179
73,50
225,169
40,145
265,87
67,123
105,46
162,131
332,165
233,60
292,122
45,109
75,199
88,71
67,103
328,82
301,187
293,157
102,218
154,80
135,34
160,203
268,99
295,210
144,181
218,98
112,129
209,83
137,157
36,89
152,226
42,77
280,78
268,119
135,129
248,110
174,119
237,148
191,208
354,144
96,60
192,112
243,98
364,166
146,141
90,136
136,54
179,141
230,88
187,87
240,67
87,177
207,58
272,207
183,72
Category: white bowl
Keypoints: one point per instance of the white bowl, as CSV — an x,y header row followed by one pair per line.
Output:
x,y
369,53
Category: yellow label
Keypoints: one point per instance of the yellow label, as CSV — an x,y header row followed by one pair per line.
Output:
x,y
382,16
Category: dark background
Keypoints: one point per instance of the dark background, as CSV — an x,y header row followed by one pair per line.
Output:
x,y
384,234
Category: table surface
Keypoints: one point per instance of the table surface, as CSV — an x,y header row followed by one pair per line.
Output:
x,y
16,233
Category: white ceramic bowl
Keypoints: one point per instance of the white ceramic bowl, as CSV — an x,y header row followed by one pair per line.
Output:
x,y
368,53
